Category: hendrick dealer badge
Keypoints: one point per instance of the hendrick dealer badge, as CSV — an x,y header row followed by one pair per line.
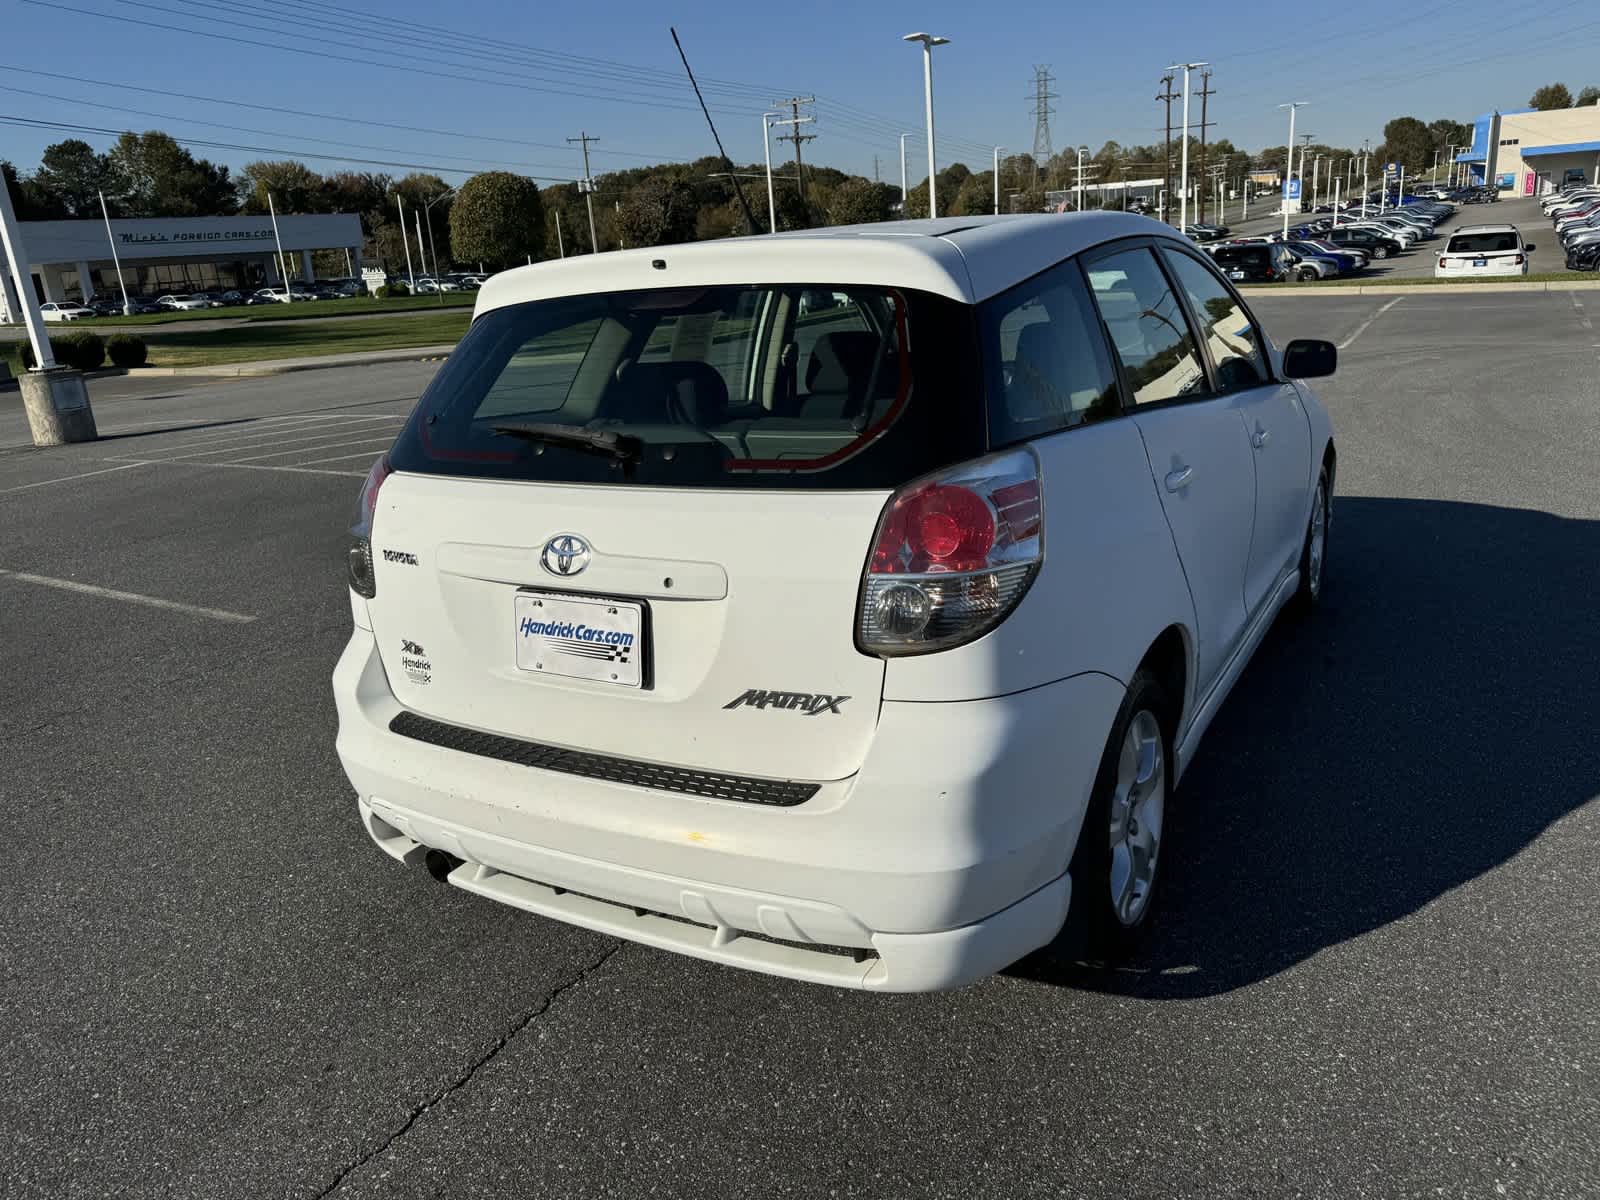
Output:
x,y
580,638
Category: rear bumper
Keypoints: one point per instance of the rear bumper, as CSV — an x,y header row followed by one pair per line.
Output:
x,y
941,861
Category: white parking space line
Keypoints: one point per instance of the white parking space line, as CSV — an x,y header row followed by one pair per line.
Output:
x,y
254,432
239,427
1578,305
1367,324
233,466
89,589
311,462
378,440
253,443
22,487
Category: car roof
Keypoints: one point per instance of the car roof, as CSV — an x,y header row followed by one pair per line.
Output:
x,y
1501,228
965,258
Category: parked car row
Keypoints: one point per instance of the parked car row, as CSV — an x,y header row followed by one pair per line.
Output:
x,y
1575,211
1340,244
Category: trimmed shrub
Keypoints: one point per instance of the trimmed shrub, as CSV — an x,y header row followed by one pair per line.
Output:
x,y
392,289
80,350
126,350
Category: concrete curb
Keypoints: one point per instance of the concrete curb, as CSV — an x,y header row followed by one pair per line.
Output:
x,y
284,366
1419,289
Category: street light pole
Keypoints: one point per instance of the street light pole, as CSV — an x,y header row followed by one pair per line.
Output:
x,y
1288,169
127,309
997,150
11,243
283,266
1183,173
411,275
929,41
766,146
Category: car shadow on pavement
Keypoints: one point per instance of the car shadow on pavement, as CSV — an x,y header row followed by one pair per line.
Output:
x,y
1431,719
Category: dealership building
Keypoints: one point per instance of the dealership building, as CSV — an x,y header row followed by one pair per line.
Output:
x,y
1529,153
74,260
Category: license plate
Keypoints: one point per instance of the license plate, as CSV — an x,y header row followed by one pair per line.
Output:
x,y
1480,262
580,638
1235,274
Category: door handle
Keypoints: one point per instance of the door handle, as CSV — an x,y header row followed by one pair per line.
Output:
x,y
1259,438
1179,479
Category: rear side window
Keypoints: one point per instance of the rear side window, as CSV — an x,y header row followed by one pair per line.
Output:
x,y
1482,243
1226,327
1148,327
1046,358
780,386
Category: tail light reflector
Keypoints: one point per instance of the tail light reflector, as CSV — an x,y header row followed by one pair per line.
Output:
x,y
363,580
952,556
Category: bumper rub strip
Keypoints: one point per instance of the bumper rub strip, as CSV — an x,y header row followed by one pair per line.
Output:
x,y
777,793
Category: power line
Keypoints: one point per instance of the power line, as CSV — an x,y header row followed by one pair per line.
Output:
x,y
300,112
182,140
139,112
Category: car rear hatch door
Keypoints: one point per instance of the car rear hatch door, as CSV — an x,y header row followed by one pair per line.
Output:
x,y
636,524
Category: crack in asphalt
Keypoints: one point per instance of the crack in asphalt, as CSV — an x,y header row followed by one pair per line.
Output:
x,y
462,1080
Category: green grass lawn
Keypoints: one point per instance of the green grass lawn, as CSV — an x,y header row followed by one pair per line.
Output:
x,y
310,309
209,347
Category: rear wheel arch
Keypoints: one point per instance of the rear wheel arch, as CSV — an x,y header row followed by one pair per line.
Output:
x,y
1169,659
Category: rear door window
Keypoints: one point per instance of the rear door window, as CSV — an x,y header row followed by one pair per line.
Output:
x,y
1046,358
781,386
1148,327
1229,334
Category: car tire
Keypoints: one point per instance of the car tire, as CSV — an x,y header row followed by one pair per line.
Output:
x,y
1307,274
1116,867
1380,252
1314,552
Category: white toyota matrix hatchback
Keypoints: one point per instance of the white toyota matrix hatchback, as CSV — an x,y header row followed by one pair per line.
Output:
x,y
842,605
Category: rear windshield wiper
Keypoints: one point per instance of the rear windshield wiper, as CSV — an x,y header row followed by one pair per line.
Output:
x,y
620,447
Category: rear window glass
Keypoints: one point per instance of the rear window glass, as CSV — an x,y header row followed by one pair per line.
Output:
x,y
781,386
1481,243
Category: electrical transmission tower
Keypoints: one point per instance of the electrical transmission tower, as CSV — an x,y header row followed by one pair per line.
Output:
x,y
1042,95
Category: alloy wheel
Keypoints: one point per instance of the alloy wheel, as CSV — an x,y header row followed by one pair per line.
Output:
x,y
1138,807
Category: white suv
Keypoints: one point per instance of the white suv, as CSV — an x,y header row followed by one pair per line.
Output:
x,y
1475,250
841,605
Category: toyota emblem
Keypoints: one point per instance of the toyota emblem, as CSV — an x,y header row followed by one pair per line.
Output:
x,y
565,554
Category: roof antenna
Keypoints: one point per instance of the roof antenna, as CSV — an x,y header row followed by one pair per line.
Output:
x,y
750,217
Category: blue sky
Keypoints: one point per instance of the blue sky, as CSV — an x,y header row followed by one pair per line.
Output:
x,y
500,84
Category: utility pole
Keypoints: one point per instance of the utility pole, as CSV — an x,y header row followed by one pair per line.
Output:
x,y
586,186
997,150
903,138
1042,95
794,135
1204,93
876,177
1166,167
1183,183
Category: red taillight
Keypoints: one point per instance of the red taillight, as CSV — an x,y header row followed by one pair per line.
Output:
x,y
1444,262
363,580
1516,260
953,555
936,527
368,504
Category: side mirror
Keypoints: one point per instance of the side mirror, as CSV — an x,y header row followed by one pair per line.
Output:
x,y
1308,358
1528,247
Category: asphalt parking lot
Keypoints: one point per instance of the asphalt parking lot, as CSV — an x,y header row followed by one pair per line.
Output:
x,y
1375,977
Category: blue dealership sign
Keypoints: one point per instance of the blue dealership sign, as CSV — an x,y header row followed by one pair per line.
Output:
x,y
1291,190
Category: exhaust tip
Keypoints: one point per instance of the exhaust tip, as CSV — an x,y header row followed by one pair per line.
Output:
x,y
439,864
